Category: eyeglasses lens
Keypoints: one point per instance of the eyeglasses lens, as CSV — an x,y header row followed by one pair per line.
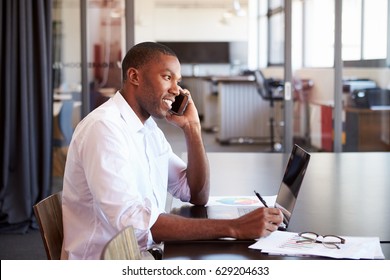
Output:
x,y
331,242
308,237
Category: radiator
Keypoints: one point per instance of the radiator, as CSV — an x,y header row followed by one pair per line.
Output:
x,y
210,105
194,85
244,115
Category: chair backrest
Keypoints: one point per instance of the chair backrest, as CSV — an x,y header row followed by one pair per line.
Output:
x,y
262,85
123,246
49,216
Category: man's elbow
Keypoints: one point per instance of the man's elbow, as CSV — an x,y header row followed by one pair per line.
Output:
x,y
199,201
200,198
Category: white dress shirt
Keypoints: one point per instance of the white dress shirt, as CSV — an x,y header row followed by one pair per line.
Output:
x,y
117,173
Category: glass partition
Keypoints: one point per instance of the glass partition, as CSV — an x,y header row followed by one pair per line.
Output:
x,y
105,29
105,32
66,78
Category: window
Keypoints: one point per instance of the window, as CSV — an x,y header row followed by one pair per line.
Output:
x,y
364,32
351,35
275,16
375,29
276,38
319,33
364,36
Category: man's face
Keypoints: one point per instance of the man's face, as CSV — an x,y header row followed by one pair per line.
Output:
x,y
158,86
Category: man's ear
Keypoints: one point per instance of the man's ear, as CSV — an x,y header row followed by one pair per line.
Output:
x,y
133,76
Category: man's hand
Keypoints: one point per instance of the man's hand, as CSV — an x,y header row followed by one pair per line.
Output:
x,y
258,223
190,115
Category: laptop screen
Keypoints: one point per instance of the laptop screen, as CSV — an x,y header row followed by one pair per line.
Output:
x,y
291,183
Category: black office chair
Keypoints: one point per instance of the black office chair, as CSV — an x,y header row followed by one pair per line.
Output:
x,y
266,88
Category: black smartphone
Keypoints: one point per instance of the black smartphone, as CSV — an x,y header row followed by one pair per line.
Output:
x,y
180,104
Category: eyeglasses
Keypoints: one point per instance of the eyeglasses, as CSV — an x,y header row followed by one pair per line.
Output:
x,y
329,241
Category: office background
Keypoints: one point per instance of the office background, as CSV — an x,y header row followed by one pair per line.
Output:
x,y
53,52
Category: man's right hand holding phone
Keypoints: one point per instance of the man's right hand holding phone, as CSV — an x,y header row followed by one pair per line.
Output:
x,y
183,110
180,104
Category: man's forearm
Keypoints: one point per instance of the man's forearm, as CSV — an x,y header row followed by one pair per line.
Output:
x,y
198,171
259,222
172,227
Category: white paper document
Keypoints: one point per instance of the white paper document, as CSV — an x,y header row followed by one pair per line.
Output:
x,y
240,201
231,207
284,243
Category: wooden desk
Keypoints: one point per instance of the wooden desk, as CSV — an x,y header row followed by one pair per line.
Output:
x,y
342,193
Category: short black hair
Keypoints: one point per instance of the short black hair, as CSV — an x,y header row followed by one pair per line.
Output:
x,y
142,53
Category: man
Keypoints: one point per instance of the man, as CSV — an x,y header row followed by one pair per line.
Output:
x,y
120,167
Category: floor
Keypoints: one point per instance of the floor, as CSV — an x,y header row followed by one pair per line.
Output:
x,y
29,246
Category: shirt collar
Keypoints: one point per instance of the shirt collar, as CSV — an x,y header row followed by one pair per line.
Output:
x,y
129,115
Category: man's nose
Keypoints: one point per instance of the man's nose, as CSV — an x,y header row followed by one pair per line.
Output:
x,y
175,89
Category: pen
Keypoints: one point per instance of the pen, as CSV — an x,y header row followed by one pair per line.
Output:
x,y
261,199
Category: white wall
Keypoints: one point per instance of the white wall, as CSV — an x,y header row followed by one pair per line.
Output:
x,y
196,24
156,23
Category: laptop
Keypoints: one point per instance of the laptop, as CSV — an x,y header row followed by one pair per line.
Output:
x,y
286,197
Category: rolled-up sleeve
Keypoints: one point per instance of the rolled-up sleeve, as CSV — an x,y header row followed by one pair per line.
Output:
x,y
177,180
